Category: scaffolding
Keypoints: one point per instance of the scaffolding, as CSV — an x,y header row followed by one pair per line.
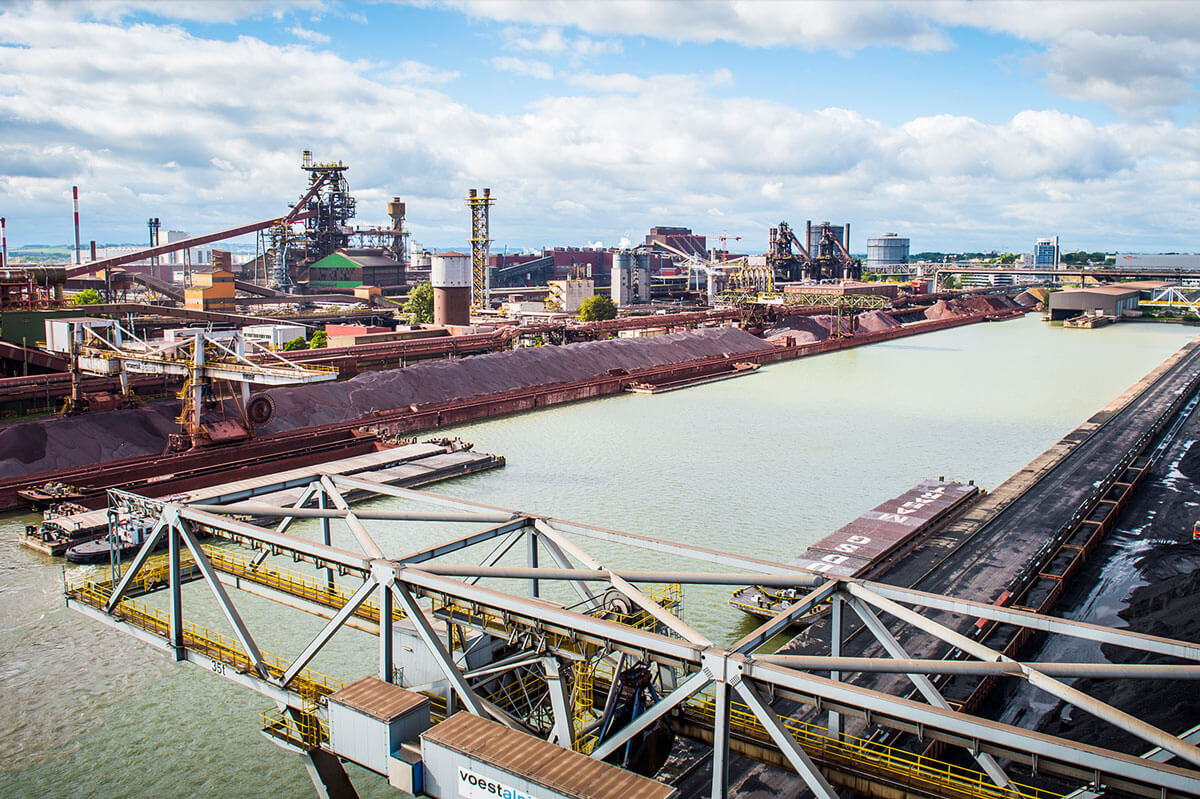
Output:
x,y
481,281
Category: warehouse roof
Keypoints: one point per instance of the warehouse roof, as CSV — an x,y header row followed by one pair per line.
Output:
x,y
541,762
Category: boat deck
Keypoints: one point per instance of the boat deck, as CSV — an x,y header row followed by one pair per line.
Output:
x,y
865,544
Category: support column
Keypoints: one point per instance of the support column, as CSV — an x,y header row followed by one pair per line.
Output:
x,y
387,665
326,537
835,650
176,579
328,775
534,583
720,744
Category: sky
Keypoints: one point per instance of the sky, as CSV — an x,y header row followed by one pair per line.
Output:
x,y
962,125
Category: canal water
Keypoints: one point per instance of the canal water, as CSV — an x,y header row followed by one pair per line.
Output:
x,y
762,465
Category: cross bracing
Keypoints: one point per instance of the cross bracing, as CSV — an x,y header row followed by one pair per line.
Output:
x,y
564,661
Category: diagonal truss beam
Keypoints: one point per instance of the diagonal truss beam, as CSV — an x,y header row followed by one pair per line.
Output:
x,y
500,551
798,758
1037,621
356,527
438,650
923,684
581,588
309,491
463,542
874,665
1112,715
661,614
318,643
139,560
698,681
218,590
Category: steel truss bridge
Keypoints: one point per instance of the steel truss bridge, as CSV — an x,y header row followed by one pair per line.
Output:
x,y
561,665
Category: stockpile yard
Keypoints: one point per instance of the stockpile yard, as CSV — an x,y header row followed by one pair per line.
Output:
x,y
497,374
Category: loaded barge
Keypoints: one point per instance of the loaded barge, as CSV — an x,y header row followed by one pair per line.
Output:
x,y
869,542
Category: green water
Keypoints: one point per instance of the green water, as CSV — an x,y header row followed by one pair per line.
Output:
x,y
761,465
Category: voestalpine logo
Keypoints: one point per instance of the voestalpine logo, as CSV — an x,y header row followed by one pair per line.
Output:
x,y
477,786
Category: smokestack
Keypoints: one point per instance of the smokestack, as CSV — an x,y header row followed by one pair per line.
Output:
x,y
75,199
846,243
3,244
93,249
808,238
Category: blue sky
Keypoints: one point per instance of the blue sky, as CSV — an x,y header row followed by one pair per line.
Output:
x,y
963,125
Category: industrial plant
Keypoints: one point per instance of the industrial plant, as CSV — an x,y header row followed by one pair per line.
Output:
x,y
257,429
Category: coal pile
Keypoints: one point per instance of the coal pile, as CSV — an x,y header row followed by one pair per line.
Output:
x,y
433,382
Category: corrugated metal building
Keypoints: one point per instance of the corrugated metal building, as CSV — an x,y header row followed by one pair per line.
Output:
x,y
1108,300
478,758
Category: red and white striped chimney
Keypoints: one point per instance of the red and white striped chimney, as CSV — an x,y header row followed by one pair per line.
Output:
x,y
75,197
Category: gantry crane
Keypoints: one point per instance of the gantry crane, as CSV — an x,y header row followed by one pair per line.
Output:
x,y
205,363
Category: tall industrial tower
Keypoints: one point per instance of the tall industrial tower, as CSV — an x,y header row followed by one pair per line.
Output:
x,y
481,287
333,207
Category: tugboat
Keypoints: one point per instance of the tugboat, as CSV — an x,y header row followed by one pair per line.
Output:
x,y
125,534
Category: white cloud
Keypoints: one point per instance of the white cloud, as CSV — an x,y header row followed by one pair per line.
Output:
x,y
552,42
812,24
414,72
1134,57
528,67
587,165
307,35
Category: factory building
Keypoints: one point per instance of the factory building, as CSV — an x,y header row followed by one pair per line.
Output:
x,y
886,250
630,278
351,267
211,291
1094,300
679,238
1186,262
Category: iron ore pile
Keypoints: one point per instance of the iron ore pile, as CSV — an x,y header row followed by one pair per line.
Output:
x,y
61,443
805,329
432,382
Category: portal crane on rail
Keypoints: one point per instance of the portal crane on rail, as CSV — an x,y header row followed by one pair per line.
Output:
x,y
210,368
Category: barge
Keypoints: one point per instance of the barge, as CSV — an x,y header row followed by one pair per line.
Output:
x,y
404,466
863,545
736,369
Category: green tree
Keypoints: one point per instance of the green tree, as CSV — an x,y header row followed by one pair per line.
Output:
x,y
87,297
298,343
318,340
596,308
950,283
420,304
1009,258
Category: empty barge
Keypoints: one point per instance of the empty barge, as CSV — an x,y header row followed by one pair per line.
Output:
x,y
868,542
